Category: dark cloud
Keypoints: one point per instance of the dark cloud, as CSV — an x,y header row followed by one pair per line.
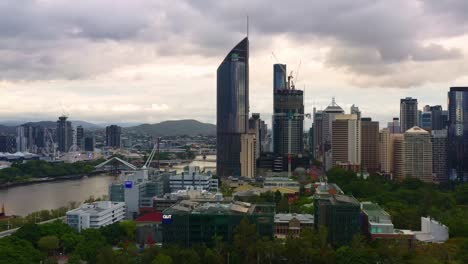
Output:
x,y
81,39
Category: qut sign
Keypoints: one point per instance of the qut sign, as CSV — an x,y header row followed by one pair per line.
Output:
x,y
167,219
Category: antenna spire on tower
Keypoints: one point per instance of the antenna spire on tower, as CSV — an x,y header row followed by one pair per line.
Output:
x,y
247,26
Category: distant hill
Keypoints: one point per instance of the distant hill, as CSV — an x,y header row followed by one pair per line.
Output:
x,y
175,128
86,125
7,130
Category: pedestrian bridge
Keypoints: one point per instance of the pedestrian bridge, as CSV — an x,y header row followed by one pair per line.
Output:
x,y
115,163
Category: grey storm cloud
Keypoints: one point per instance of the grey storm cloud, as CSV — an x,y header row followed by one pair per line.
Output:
x,y
47,39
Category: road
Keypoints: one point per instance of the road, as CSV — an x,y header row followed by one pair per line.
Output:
x,y
11,231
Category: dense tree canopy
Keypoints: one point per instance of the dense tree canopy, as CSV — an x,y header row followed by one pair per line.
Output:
x,y
21,172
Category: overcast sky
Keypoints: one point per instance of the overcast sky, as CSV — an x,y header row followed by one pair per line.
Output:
x,y
152,60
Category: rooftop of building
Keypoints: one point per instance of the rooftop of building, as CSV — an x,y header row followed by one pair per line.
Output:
x,y
152,217
278,179
190,172
302,218
235,207
191,193
289,92
375,213
323,188
343,199
333,108
96,207
459,89
406,99
416,130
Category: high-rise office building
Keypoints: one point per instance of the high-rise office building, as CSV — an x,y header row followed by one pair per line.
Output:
x,y
265,140
328,116
439,155
418,154
7,143
408,113
458,133
392,153
232,108
317,140
394,126
346,141
279,77
247,155
426,120
385,151
113,136
89,143
370,145
80,137
64,134
438,117
398,163
288,122
21,138
355,111
255,128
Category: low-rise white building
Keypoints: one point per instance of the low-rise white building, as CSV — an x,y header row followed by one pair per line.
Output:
x,y
96,215
432,231
193,179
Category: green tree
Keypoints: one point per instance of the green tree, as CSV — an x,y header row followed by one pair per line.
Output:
x,y
245,240
48,243
283,205
70,241
462,254
114,233
162,259
29,232
461,193
18,251
89,246
278,197
212,256
105,256
129,228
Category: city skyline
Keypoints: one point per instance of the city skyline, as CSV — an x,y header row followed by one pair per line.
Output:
x,y
132,71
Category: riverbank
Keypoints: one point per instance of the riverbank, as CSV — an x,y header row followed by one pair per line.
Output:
x,y
48,179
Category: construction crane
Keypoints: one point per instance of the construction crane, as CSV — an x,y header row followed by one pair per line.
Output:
x,y
291,116
277,61
297,71
50,149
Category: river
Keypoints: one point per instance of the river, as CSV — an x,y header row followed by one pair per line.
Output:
x,y
26,199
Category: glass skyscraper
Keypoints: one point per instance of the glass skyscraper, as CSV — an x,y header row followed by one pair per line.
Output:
x,y
232,108
408,113
458,132
279,77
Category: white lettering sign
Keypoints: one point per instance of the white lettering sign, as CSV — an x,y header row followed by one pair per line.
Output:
x,y
167,216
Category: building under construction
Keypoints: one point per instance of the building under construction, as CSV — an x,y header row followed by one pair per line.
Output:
x,y
288,119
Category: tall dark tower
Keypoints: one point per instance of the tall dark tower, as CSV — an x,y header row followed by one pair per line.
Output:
x,y
408,113
279,77
64,134
288,109
232,110
458,133
113,136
